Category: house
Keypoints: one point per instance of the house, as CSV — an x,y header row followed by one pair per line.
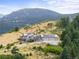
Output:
x,y
25,37
30,37
49,37
52,39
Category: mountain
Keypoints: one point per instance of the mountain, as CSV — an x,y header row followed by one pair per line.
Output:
x,y
26,16
1,15
32,14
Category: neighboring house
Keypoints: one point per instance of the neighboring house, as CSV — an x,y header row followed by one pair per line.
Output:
x,y
30,37
50,38
38,38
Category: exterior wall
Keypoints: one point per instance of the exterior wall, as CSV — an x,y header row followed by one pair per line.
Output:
x,y
39,37
49,39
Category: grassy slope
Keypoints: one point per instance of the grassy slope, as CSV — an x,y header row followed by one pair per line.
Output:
x,y
38,29
26,48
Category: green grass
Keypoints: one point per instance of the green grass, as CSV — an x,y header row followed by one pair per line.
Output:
x,y
16,56
52,49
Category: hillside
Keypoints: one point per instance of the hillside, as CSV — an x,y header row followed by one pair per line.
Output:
x,y
37,28
27,48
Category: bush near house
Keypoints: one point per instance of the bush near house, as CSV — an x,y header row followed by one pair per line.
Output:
x,y
52,49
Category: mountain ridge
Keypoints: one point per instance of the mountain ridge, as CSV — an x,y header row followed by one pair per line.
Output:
x,y
1,15
22,17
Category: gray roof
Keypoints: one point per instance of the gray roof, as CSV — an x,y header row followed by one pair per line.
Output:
x,y
50,36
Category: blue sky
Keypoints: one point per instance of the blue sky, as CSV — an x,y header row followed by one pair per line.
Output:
x,y
61,6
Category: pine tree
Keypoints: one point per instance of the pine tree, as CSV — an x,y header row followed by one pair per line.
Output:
x,y
64,22
66,53
70,40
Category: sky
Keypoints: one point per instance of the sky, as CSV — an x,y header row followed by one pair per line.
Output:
x,y
60,6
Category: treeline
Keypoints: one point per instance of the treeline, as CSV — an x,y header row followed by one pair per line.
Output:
x,y
70,38
15,56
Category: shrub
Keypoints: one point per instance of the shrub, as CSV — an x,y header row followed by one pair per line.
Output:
x,y
50,25
34,47
27,26
27,54
19,56
52,49
42,30
14,50
6,57
8,46
39,48
30,54
1,46
15,29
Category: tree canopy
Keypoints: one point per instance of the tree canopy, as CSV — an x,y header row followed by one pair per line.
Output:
x,y
70,40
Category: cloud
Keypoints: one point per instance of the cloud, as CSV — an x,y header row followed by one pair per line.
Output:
x,y
63,6
7,9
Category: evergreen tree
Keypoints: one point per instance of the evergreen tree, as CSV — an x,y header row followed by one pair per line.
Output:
x,y
70,40
66,53
64,22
